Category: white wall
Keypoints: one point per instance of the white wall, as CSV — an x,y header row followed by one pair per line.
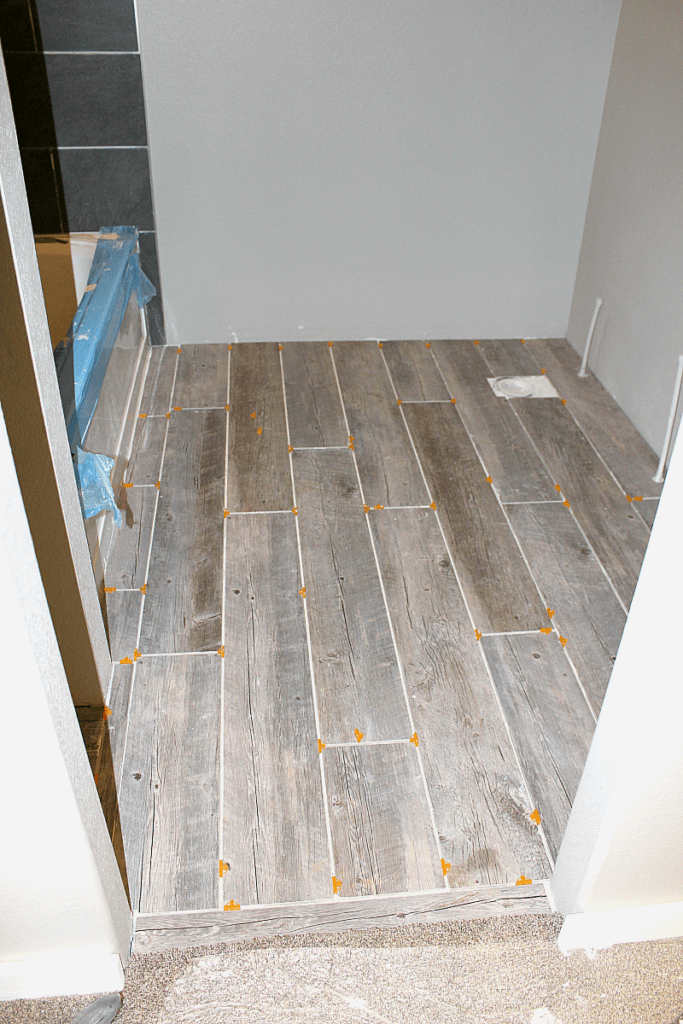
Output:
x,y
632,250
389,168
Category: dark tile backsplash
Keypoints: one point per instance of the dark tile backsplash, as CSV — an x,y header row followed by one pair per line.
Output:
x,y
106,186
93,101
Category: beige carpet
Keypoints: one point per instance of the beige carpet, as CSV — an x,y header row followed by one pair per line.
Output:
x,y
500,971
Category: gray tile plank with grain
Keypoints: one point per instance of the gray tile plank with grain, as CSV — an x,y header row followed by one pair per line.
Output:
x,y
414,373
314,410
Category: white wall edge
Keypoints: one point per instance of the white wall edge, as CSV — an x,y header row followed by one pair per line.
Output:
x,y
599,929
61,976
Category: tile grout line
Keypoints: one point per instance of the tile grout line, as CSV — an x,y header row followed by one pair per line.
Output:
x,y
149,559
221,753
391,628
323,780
487,667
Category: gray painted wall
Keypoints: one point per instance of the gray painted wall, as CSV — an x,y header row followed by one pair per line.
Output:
x,y
329,170
632,251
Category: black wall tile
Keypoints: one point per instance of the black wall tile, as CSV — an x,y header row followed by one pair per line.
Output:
x,y
87,24
105,187
72,100
150,264
16,32
47,215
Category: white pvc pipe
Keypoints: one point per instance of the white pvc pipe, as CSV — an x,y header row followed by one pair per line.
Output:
x,y
589,339
659,475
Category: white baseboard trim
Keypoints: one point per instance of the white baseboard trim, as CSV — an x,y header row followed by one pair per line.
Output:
x,y
599,929
61,976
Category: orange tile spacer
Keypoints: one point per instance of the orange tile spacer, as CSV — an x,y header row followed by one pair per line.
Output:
x,y
229,348
106,713
557,487
366,508
542,370
566,504
177,408
380,344
414,739
378,507
336,882
546,629
428,344
321,746
179,350
221,650
128,486
225,513
564,401
303,591
535,816
522,340
351,438
564,640
279,348
136,654
477,634
231,906
290,448
476,343
638,497
433,505
110,590
445,866
522,880
142,416
489,479
126,661
330,344
260,430
253,415
158,484
452,401
143,588
358,734
168,415
399,401
629,498
222,868
551,612
351,447
296,511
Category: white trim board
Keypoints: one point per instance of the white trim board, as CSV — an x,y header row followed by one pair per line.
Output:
x,y
61,976
599,929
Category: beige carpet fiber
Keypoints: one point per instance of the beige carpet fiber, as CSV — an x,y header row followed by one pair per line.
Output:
x,y
500,971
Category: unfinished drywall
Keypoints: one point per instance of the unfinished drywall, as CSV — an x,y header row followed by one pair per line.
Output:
x,y
632,250
371,168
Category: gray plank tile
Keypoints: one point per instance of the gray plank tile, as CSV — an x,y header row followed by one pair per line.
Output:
x,y
202,378
144,465
313,406
498,588
518,473
259,477
184,598
647,509
604,423
586,609
388,470
509,358
477,791
549,720
356,672
156,396
274,836
382,835
129,552
618,536
169,787
414,372
117,722
123,614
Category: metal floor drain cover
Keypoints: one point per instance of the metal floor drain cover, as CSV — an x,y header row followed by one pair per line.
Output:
x,y
522,387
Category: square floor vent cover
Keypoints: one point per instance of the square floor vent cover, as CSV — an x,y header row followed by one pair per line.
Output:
x,y
522,387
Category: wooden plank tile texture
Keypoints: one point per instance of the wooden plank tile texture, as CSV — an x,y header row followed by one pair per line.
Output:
x,y
647,510
129,552
387,466
183,607
156,394
169,790
313,406
356,673
274,835
617,534
144,465
518,473
415,374
575,587
549,720
509,358
477,791
382,836
202,378
498,587
259,477
123,616
604,423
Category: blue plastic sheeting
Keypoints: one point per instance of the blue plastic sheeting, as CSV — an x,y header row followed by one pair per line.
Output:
x,y
94,484
81,359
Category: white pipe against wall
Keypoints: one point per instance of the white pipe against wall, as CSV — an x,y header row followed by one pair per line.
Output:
x,y
659,475
589,339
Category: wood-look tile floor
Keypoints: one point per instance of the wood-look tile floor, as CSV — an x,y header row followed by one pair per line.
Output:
x,y
365,615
